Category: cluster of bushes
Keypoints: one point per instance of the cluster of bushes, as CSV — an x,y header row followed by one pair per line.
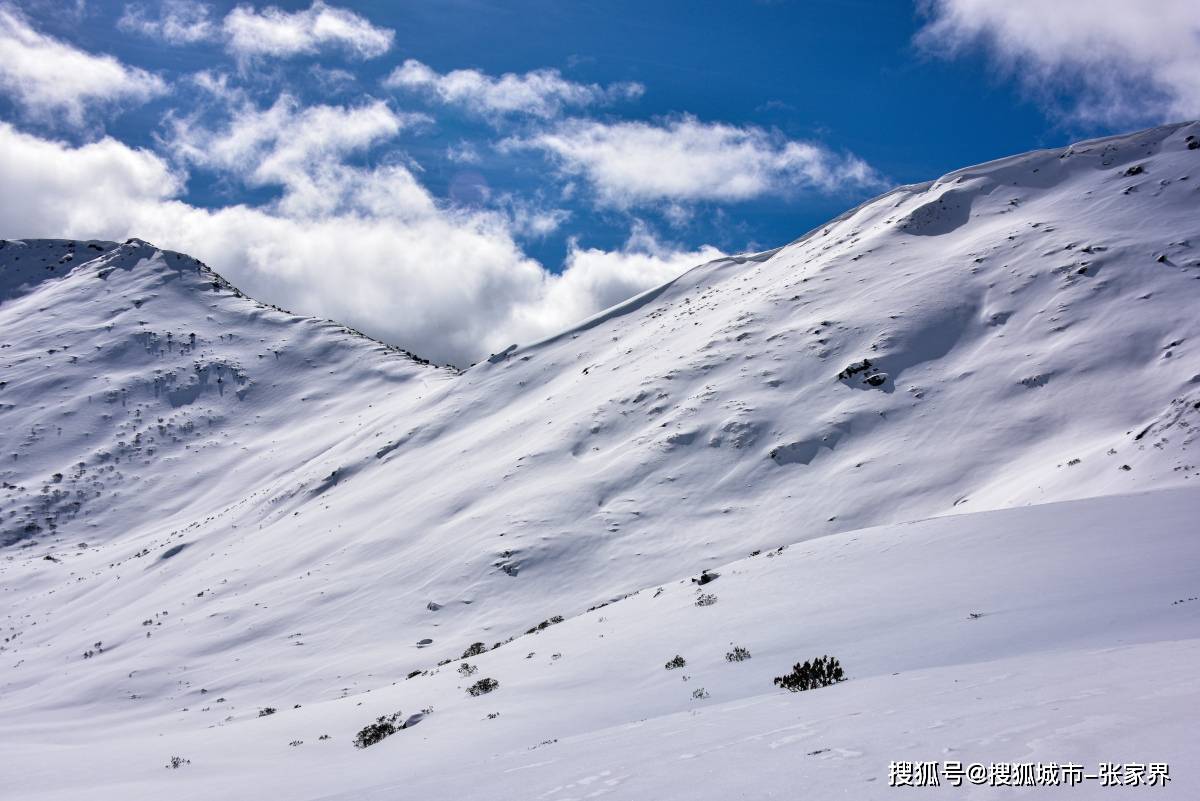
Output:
x,y
820,672
738,654
383,727
482,687
545,624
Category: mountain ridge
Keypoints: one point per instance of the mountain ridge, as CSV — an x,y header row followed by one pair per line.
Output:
x,y
296,510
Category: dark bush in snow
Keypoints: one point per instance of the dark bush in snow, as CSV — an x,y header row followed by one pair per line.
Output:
x,y
677,662
475,649
545,624
820,672
384,726
738,654
483,687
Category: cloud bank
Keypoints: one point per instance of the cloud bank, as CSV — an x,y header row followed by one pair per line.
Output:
x,y
1122,62
449,285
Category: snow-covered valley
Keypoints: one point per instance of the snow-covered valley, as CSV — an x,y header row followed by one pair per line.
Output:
x,y
211,507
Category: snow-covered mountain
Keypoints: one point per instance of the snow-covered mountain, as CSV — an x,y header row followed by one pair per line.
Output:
x,y
212,507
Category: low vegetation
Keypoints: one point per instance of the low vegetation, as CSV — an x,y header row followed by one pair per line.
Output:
x,y
483,687
383,727
820,672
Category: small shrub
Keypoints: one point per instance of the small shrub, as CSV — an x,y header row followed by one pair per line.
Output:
x,y
706,599
482,687
699,693
467,669
820,672
677,662
545,624
384,726
178,762
267,710
738,654
474,649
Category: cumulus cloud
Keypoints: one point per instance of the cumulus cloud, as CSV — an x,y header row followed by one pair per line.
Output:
x,y
302,149
595,279
177,22
1122,62
449,284
539,93
686,160
277,33
53,188
49,79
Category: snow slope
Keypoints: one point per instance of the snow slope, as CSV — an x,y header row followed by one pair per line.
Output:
x,y
278,510
1083,647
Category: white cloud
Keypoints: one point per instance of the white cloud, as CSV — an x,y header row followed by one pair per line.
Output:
x,y
274,32
530,219
50,79
178,22
595,279
302,149
217,86
1122,61
685,160
52,188
332,80
463,153
539,93
450,285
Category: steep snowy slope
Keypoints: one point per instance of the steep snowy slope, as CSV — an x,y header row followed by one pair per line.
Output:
x,y
283,512
136,380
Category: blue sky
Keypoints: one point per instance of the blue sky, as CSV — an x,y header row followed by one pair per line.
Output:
x,y
454,175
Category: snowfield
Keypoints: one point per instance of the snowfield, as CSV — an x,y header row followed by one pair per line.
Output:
x,y
948,438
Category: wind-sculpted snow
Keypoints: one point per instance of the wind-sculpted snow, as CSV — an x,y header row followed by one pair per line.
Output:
x,y
277,510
